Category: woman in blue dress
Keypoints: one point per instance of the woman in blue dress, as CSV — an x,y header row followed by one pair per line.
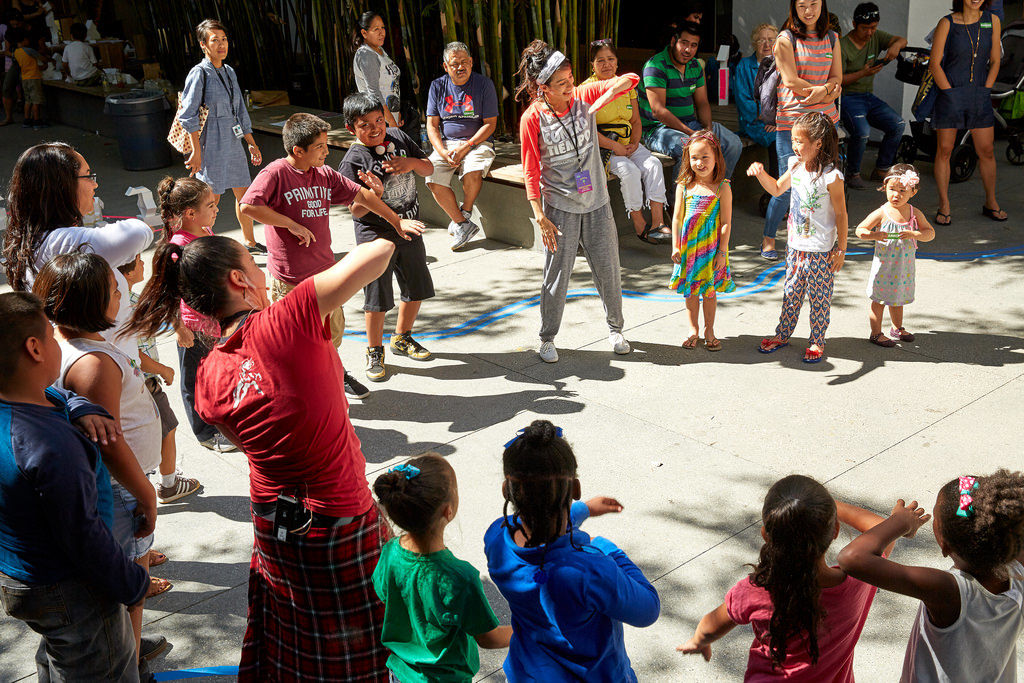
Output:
x,y
218,157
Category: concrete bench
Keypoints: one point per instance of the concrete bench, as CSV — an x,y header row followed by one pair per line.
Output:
x,y
78,106
501,208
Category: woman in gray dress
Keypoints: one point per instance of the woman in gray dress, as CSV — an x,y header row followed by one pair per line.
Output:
x,y
218,158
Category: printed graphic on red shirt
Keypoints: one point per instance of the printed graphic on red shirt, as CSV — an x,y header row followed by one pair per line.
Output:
x,y
247,379
317,200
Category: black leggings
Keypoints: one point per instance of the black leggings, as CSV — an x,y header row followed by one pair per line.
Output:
x,y
188,362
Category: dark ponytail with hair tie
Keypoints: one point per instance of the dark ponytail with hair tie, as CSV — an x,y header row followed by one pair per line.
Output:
x,y
363,24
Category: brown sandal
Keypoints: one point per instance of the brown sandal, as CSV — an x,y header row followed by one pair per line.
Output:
x,y
879,339
713,344
156,558
158,586
691,342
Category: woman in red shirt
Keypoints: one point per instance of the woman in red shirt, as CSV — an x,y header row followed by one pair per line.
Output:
x,y
274,385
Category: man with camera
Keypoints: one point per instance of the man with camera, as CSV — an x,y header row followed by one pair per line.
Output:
x,y
866,51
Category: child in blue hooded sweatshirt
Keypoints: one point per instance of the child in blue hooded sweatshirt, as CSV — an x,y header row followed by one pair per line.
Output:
x,y
569,594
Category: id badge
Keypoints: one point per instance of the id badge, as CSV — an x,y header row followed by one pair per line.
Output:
x,y
583,183
237,130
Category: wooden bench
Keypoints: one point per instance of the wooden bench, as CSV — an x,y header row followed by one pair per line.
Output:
x,y
501,208
78,106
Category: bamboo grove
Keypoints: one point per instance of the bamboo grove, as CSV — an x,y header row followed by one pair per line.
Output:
x,y
273,42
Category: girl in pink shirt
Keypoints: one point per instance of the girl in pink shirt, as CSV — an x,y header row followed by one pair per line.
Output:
x,y
807,615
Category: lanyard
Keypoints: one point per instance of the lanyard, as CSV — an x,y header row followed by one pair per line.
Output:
x,y
231,92
570,134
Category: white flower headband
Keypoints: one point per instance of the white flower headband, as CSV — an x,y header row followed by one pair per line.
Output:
x,y
554,62
907,179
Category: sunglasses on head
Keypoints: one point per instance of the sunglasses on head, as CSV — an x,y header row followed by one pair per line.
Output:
x,y
601,41
866,17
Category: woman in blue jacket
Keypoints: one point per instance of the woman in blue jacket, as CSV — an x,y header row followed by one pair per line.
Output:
x,y
569,594
762,39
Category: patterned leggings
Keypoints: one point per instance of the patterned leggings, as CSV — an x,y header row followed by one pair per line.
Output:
x,y
810,272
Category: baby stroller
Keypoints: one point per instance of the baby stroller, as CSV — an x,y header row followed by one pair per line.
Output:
x,y
1008,90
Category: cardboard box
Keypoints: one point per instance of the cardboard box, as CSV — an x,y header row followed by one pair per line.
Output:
x,y
151,70
64,28
110,54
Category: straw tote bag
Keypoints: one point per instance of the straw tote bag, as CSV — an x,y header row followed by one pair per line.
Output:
x,y
178,137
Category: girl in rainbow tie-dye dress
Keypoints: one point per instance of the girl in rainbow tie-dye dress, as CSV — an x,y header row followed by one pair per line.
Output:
x,y
700,235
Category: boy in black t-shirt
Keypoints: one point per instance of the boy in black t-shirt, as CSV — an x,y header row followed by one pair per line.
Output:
x,y
384,160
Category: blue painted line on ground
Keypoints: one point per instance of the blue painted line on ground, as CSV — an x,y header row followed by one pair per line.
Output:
x,y
198,672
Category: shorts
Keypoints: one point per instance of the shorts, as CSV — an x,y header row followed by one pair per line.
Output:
x,y
279,289
11,80
126,523
408,263
33,89
168,420
964,107
479,159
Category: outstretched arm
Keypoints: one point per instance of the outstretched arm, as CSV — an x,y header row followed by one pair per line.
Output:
x,y
712,626
360,267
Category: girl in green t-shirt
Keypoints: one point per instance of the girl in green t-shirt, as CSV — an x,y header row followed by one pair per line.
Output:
x,y
434,603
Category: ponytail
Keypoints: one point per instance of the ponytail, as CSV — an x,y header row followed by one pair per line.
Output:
x,y
363,24
534,58
414,494
799,519
177,195
157,307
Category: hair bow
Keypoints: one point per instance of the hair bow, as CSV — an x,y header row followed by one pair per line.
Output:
x,y
907,179
408,470
558,433
967,487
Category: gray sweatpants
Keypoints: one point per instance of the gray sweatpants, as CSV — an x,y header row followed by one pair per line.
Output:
x,y
596,232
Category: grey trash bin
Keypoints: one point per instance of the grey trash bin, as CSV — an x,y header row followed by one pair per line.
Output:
x,y
141,121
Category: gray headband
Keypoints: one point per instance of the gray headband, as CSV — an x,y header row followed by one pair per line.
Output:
x,y
554,62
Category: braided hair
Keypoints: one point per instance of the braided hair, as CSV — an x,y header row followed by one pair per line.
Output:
x,y
799,518
540,471
177,195
991,534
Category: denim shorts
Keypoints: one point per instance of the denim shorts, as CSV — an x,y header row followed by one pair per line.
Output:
x,y
964,107
126,523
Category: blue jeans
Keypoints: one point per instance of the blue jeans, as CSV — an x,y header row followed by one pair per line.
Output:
x,y
778,206
86,636
860,113
669,141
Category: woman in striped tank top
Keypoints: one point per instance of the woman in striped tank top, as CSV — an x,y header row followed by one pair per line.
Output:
x,y
810,73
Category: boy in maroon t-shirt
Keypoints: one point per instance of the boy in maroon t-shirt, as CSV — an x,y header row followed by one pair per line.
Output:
x,y
292,197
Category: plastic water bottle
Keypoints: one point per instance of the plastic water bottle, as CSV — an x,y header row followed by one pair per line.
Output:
x,y
424,139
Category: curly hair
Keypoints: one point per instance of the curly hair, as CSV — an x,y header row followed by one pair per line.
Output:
x,y
534,57
416,503
799,519
817,126
540,468
177,195
991,535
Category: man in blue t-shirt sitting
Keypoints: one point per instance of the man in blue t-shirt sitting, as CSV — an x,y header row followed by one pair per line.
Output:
x,y
462,113
61,571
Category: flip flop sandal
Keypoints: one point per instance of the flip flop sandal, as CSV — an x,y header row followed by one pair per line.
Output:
x,y
901,334
158,586
949,218
812,356
645,236
156,558
771,349
881,340
693,340
713,345
991,213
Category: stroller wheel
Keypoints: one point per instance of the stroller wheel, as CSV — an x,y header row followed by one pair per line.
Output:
x,y
962,163
907,151
1015,151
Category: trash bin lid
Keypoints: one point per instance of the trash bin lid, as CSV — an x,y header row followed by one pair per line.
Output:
x,y
135,102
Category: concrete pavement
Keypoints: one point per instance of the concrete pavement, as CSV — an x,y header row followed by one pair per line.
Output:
x,y
688,441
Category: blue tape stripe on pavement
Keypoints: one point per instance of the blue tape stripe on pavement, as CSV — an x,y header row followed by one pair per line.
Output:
x,y
198,672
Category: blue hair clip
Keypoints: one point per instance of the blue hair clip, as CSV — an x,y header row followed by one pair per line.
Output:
x,y
408,470
558,433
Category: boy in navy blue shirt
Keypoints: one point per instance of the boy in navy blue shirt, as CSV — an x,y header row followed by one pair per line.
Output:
x,y
61,571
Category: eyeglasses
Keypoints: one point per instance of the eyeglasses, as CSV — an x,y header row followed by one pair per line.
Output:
x,y
91,176
600,41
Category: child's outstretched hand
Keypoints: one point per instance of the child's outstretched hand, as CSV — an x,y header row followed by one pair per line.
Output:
x,y
372,182
409,228
602,505
302,234
755,169
913,516
693,647
398,165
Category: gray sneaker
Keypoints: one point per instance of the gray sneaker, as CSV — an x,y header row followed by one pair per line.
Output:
x,y
548,353
375,370
453,227
468,215
463,234
219,444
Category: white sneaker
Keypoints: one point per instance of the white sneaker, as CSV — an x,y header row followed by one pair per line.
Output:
x,y
548,352
453,227
619,343
463,234
468,215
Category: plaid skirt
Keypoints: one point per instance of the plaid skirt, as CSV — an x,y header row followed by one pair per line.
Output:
x,y
313,612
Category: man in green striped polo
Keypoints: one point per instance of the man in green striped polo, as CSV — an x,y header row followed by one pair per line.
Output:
x,y
674,100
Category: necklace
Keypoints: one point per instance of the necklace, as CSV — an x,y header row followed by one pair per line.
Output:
x,y
974,45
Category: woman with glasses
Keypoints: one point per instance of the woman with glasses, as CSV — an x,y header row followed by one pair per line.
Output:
x,y
762,40
51,188
218,158
377,74
618,134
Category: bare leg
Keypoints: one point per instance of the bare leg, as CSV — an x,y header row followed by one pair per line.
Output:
x,y
135,611
693,314
168,454
657,214
945,140
987,164
445,198
375,328
471,184
639,222
244,221
896,315
875,317
710,306
407,312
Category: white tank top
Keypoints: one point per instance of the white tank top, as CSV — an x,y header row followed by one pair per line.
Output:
x,y
981,645
140,421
